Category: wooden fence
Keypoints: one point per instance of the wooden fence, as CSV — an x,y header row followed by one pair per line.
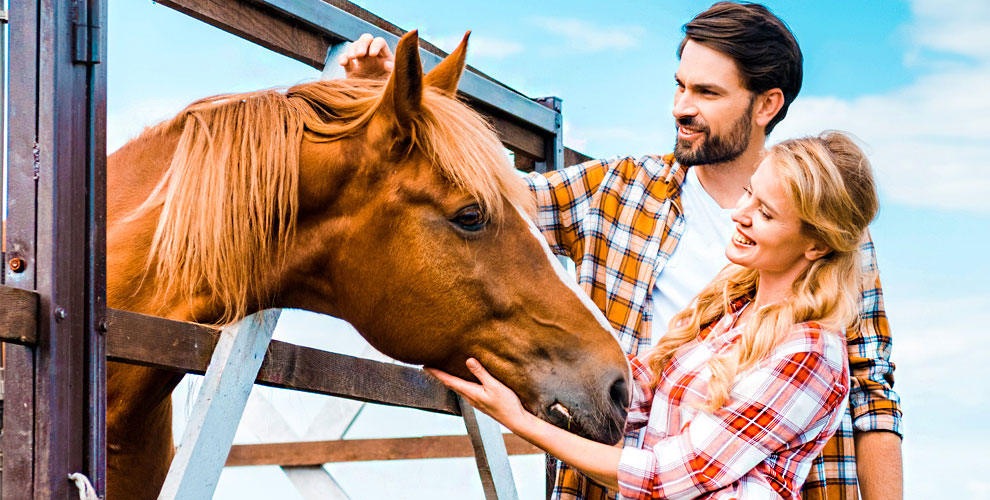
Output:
x,y
56,330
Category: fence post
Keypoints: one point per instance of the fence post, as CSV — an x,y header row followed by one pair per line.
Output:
x,y
55,229
489,453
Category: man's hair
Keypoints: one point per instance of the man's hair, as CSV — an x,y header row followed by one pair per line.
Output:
x,y
763,47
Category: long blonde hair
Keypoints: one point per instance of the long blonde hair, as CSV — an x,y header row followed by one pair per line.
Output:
x,y
831,185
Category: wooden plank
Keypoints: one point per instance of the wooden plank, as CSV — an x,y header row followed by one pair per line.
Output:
x,y
22,116
261,25
489,453
17,438
195,470
517,138
314,453
18,316
572,157
185,347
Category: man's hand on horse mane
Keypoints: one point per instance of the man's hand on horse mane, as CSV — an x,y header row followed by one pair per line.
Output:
x,y
368,57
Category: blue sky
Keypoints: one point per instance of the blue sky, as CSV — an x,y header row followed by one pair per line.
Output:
x,y
909,78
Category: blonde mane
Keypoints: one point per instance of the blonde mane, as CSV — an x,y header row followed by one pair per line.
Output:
x,y
228,199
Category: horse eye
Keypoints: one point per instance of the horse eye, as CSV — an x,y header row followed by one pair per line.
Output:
x,y
470,218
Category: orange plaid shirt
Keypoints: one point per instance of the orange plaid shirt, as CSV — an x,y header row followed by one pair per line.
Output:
x,y
620,221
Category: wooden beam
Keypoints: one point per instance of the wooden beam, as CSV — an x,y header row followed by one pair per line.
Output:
x,y
517,138
198,461
18,316
261,25
572,157
18,437
308,44
489,453
363,450
186,347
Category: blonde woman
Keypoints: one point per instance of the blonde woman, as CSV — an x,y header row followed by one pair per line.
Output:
x,y
752,378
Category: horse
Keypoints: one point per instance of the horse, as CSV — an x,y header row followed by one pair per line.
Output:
x,y
389,204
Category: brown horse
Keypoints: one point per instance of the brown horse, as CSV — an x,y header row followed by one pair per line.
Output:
x,y
388,204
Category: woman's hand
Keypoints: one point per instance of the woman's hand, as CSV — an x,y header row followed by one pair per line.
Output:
x,y
368,57
490,396
596,460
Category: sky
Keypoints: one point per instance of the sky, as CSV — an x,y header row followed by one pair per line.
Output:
x,y
908,78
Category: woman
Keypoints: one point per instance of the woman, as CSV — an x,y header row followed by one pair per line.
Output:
x,y
750,381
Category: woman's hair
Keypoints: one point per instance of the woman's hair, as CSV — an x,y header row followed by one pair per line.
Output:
x,y
831,185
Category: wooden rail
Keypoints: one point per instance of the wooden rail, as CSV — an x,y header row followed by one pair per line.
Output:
x,y
362,450
187,347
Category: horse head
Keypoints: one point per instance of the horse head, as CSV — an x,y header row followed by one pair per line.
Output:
x,y
417,232
391,205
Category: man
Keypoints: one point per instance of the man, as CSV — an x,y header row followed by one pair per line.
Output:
x,y
648,233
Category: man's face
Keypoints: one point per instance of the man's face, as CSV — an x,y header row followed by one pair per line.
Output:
x,y
714,111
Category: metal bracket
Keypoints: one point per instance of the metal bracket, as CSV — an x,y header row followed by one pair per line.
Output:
x,y
554,150
85,32
332,70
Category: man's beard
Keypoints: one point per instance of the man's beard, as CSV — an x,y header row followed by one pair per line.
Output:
x,y
714,148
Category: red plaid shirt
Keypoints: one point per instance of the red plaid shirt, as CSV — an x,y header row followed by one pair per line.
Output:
x,y
761,443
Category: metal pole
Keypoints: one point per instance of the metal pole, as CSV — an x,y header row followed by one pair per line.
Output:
x,y
554,149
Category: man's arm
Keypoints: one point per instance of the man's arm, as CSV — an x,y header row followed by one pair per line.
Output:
x,y
876,408
878,464
563,199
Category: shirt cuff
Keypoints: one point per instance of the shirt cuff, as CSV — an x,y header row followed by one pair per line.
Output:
x,y
637,472
889,421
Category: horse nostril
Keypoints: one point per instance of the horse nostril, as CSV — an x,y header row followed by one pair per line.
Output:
x,y
619,394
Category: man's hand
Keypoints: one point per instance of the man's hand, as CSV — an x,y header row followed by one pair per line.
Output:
x,y
368,57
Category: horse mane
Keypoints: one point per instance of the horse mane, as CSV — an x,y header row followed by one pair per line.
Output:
x,y
227,201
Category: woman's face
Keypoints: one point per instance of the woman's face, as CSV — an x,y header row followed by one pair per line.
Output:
x,y
768,235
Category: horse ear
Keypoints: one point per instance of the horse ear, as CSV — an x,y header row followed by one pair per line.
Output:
x,y
404,90
448,72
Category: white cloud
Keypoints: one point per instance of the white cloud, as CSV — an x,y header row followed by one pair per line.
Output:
x,y
929,141
961,26
581,36
940,349
480,47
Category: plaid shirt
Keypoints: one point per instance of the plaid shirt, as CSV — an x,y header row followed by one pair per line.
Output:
x,y
620,221
761,443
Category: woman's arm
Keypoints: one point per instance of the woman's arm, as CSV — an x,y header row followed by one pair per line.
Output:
x,y
598,461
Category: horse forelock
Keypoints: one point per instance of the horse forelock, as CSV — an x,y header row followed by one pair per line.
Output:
x,y
228,199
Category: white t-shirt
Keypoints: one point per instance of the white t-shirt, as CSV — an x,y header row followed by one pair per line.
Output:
x,y
698,257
